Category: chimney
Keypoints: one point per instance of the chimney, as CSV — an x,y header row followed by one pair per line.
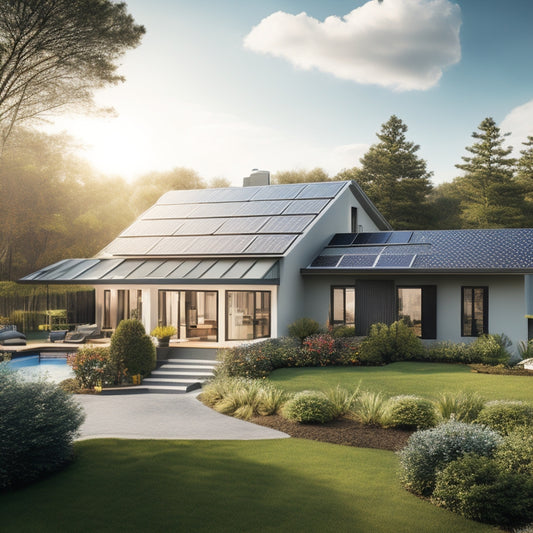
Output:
x,y
257,177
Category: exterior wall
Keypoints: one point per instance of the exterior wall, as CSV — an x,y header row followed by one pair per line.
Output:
x,y
292,302
507,303
150,302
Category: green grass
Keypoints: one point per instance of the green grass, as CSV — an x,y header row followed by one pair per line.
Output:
x,y
425,379
216,486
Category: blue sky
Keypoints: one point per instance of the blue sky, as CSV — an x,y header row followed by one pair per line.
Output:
x,y
229,85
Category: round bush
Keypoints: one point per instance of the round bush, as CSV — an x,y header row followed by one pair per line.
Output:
x,y
303,327
479,489
131,350
490,350
309,407
505,416
430,450
411,412
92,366
515,454
38,422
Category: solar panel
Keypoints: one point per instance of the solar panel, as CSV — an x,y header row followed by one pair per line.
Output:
x,y
236,194
395,261
220,244
379,238
326,261
266,208
342,239
399,237
201,226
358,261
279,192
270,244
212,210
322,190
145,228
169,211
287,224
239,225
173,245
132,245
189,196
306,207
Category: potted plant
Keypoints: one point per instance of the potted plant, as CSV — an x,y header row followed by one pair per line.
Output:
x,y
163,334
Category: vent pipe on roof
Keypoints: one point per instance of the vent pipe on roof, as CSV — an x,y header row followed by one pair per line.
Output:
x,y
257,177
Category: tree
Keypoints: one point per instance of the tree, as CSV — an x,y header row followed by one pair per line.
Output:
x,y
395,178
55,53
524,175
491,198
300,176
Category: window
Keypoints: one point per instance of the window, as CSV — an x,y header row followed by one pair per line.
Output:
x,y
139,305
417,306
107,309
355,227
474,314
123,305
247,315
343,306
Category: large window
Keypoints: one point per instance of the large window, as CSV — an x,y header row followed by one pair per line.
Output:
x,y
474,311
123,305
343,306
247,315
417,306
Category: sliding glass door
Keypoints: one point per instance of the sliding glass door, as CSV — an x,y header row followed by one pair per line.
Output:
x,y
247,315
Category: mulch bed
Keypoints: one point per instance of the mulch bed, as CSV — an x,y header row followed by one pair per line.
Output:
x,y
342,431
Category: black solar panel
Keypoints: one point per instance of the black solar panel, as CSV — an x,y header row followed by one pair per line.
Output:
x,y
326,261
399,237
395,261
372,238
358,261
342,239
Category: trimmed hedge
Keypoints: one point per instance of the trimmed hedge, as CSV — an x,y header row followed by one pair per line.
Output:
x,y
309,407
410,412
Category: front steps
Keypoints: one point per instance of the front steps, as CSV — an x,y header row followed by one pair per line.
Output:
x,y
179,376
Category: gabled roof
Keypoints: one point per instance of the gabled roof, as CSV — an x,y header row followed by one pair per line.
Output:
x,y
409,252
231,222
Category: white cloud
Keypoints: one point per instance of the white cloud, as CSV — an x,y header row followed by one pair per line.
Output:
x,y
519,122
402,44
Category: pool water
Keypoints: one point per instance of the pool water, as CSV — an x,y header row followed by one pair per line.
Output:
x,y
33,369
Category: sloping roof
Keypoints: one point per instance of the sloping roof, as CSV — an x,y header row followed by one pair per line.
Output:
x,y
231,222
409,252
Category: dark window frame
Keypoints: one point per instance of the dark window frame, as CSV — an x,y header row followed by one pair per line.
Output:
x,y
107,309
485,317
428,308
254,306
332,320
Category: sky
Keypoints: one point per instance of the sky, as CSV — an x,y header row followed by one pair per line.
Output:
x,y
227,86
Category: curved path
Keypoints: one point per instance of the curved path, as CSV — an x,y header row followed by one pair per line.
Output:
x,y
163,416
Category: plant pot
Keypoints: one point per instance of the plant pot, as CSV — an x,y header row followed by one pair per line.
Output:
x,y
163,342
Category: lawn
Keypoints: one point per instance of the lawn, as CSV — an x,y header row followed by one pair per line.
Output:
x,y
425,379
272,485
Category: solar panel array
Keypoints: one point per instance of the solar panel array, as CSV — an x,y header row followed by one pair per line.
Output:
x,y
156,270
234,221
496,250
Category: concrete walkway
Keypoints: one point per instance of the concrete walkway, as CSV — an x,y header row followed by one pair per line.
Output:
x,y
163,416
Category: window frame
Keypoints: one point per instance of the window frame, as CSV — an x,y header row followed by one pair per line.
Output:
x,y
332,320
428,311
254,307
485,303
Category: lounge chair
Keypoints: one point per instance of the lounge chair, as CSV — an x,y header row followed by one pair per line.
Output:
x,y
12,338
82,333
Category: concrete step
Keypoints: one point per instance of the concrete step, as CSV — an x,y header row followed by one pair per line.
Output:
x,y
197,373
204,368
157,380
193,361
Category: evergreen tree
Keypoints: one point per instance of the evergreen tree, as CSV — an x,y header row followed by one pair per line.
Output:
x,y
395,178
491,198
524,176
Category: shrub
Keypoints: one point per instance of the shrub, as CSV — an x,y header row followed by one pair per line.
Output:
x,y
386,344
248,361
447,352
410,412
92,366
430,450
303,327
461,406
131,351
320,350
347,350
505,416
490,350
369,408
515,454
342,400
70,386
342,331
309,407
479,489
38,422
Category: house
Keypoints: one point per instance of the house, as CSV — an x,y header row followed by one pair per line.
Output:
x,y
236,264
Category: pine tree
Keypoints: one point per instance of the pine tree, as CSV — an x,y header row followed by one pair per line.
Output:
x,y
491,197
395,178
524,175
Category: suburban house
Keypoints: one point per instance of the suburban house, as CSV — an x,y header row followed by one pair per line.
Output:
x,y
235,264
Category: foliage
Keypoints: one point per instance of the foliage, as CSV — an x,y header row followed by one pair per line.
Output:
x,y
92,366
410,412
243,398
525,349
303,327
131,350
320,350
247,360
38,422
501,370
524,175
461,406
505,416
430,450
386,344
490,350
309,407
342,331
162,332
28,320
395,178
447,352
515,453
71,386
342,400
479,489
300,176
369,408
55,54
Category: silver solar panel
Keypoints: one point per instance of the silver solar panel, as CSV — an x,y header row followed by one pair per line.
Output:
x,y
269,207
201,226
304,207
132,245
144,228
270,244
322,190
169,211
239,225
279,192
287,224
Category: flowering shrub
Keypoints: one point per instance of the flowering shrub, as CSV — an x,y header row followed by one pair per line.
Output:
x,y
248,361
410,412
320,350
505,416
92,366
430,450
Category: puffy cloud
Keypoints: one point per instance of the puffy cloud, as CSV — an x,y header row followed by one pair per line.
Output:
x,y
402,44
519,122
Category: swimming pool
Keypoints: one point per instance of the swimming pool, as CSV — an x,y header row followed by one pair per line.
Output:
x,y
32,368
